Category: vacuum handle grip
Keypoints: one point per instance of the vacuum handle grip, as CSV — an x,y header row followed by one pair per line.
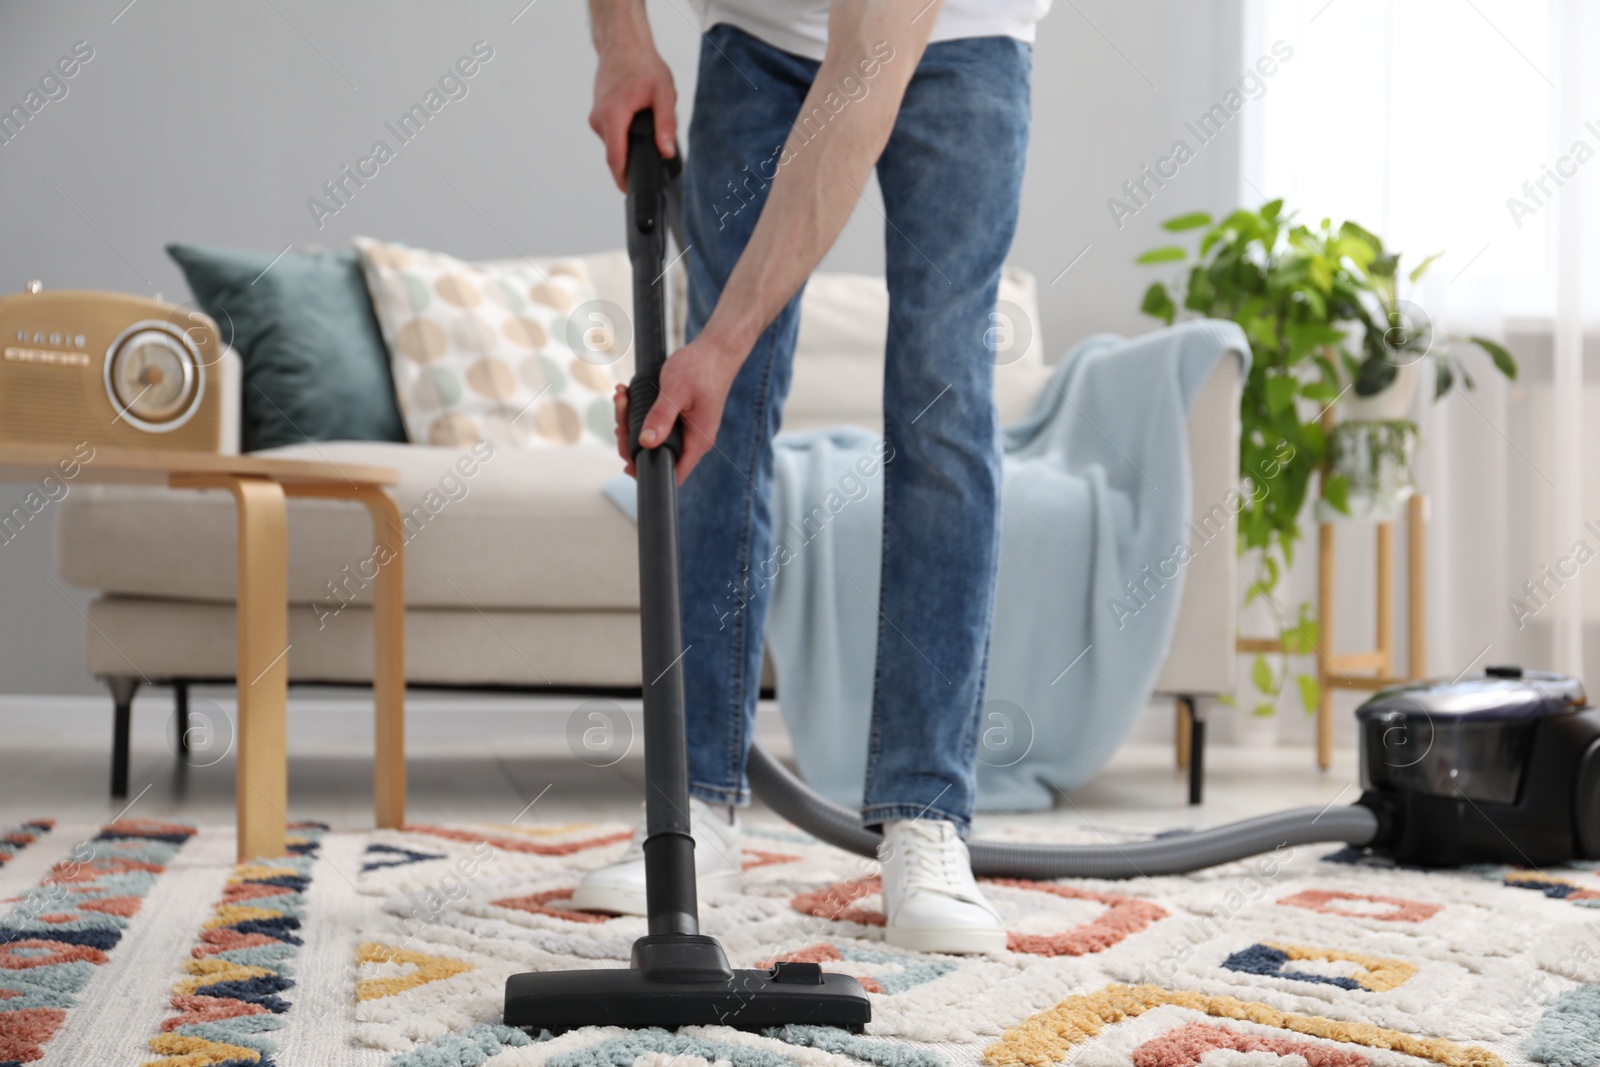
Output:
x,y
646,182
648,175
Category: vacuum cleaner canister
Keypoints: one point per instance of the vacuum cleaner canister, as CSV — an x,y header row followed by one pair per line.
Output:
x,y
1502,767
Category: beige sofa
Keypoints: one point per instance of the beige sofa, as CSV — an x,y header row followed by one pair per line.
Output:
x,y
522,574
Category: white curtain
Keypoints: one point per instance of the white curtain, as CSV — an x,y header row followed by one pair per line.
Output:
x,y
1469,127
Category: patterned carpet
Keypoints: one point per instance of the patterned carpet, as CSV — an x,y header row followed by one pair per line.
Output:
x,y
142,942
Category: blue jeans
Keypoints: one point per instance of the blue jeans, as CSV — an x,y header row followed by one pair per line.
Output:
x,y
951,175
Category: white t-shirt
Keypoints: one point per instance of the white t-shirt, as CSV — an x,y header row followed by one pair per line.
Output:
x,y
801,26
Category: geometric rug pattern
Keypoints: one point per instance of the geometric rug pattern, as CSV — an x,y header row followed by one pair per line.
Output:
x,y
145,943
57,935
17,838
231,996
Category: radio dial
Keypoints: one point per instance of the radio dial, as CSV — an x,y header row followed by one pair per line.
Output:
x,y
153,375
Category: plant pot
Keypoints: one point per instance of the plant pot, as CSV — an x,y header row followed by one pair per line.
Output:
x,y
1393,403
1255,731
1374,458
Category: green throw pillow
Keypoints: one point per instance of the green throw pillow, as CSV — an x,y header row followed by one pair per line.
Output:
x,y
315,367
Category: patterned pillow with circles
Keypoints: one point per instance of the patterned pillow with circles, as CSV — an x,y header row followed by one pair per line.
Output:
x,y
490,352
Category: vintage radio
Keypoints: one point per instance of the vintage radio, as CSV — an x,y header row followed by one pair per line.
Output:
x,y
109,368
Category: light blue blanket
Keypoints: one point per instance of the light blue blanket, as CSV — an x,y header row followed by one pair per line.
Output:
x,y
1096,488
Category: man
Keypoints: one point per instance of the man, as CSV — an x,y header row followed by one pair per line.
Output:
x,y
797,101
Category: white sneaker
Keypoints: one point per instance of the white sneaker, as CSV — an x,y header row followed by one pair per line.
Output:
x,y
929,895
718,867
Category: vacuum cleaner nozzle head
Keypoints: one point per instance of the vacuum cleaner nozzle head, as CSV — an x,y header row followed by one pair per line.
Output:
x,y
747,999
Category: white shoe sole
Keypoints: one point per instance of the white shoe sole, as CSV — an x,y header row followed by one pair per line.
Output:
x,y
948,941
621,900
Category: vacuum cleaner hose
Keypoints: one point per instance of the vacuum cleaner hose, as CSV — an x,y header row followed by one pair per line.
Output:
x,y
1175,853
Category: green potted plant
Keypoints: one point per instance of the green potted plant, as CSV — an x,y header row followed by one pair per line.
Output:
x,y
1322,311
1291,288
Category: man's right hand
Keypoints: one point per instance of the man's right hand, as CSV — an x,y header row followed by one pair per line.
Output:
x,y
632,76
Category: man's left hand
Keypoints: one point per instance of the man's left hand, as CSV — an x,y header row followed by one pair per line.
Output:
x,y
694,387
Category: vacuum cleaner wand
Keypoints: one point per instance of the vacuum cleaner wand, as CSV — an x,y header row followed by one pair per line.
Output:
x,y
668,848
678,976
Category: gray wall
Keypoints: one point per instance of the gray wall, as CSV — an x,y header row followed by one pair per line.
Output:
x,y
215,122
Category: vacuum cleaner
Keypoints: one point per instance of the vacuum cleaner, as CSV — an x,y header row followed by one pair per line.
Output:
x,y
1502,767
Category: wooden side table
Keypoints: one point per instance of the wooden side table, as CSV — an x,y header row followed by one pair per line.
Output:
x,y
259,486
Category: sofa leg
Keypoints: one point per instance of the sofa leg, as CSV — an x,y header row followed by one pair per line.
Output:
x,y
180,701
122,689
1194,710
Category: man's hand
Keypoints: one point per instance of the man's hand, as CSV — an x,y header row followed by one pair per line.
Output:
x,y
631,77
694,387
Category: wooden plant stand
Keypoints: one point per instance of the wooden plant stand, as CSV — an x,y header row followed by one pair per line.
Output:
x,y
1373,668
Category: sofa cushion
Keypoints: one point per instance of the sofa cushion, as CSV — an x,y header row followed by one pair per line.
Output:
x,y
444,646
509,354
611,274
522,528
314,366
